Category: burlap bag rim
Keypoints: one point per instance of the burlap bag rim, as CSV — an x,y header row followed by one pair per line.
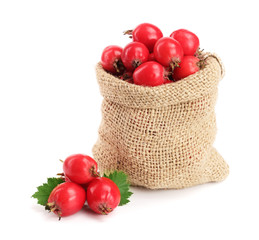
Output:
x,y
187,89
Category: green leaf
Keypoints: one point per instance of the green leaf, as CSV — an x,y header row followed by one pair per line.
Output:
x,y
121,180
45,189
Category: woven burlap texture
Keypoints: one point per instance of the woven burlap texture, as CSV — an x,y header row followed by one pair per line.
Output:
x,y
161,136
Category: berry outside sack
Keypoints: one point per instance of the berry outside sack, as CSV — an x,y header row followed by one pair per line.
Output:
x,y
162,137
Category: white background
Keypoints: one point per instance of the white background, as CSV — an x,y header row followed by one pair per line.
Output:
x,y
50,108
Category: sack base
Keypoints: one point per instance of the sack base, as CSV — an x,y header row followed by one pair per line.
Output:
x,y
216,170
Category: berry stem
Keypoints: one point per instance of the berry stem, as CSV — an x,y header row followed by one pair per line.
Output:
x,y
172,66
199,53
104,209
51,207
62,176
94,173
59,215
128,32
136,63
118,66
50,204
115,65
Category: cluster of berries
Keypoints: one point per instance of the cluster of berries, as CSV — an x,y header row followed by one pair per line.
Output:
x,y
81,183
151,59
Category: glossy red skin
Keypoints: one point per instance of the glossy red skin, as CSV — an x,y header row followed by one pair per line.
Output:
x,y
110,55
67,179
68,197
149,74
79,168
127,77
84,186
188,40
167,51
151,57
132,53
102,191
167,81
147,34
187,67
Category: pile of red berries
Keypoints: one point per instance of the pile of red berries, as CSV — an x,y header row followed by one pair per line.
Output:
x,y
151,59
80,173
81,183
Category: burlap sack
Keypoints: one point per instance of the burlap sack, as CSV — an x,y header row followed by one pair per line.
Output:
x,y
161,136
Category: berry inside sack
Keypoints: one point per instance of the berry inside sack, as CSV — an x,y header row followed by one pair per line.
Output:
x,y
162,136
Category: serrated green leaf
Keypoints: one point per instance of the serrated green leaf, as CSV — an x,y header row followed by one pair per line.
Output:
x,y
121,180
45,189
